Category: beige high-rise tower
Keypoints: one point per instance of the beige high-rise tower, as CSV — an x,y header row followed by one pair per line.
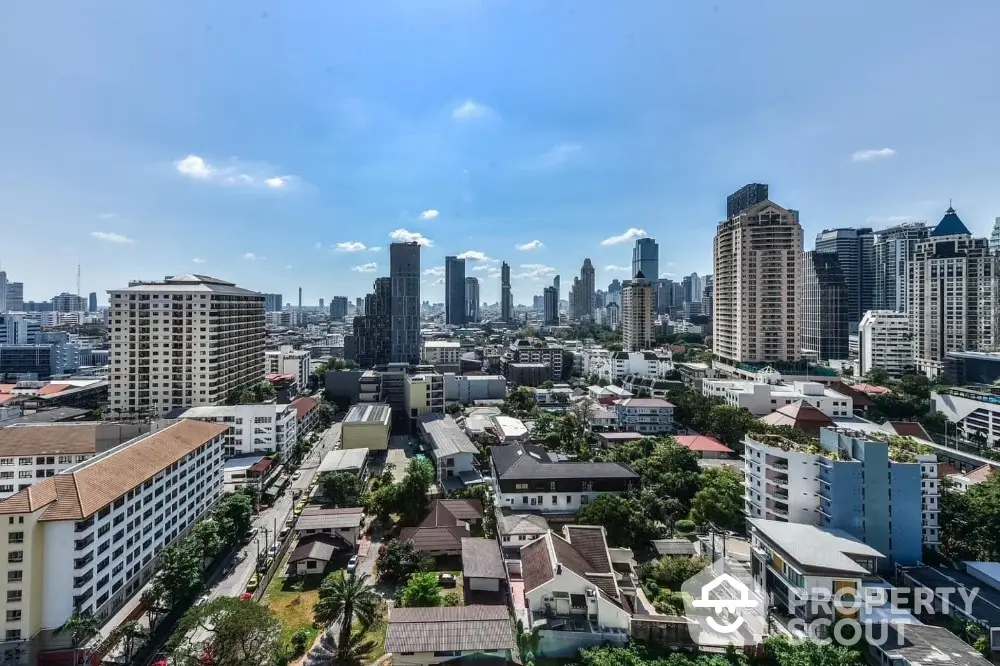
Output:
x,y
755,286
637,314
183,341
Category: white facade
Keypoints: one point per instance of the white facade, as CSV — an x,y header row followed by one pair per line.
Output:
x,y
286,360
466,389
89,540
885,340
647,416
509,430
618,365
20,472
442,352
184,341
559,394
762,398
263,428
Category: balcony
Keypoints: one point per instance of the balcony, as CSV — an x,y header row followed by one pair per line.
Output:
x,y
81,562
83,543
80,581
84,526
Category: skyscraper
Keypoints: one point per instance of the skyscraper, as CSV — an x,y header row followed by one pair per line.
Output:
x,y
372,325
745,197
321,304
472,299
693,287
92,302
3,291
454,291
756,257
404,272
506,300
338,307
555,285
823,320
637,313
855,251
583,292
550,306
273,303
15,297
893,250
995,236
646,258
952,294
65,302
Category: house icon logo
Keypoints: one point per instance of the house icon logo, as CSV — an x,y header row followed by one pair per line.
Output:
x,y
724,606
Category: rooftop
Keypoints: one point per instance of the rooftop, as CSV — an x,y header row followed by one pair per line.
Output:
x,y
582,550
509,426
343,460
304,405
509,522
815,547
450,629
318,518
442,344
481,558
702,443
519,462
48,439
317,547
446,437
644,402
950,225
85,489
920,644
188,283
369,414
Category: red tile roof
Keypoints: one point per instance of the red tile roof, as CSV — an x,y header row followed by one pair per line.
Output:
x,y
909,429
870,389
50,389
800,415
702,443
261,466
304,405
7,388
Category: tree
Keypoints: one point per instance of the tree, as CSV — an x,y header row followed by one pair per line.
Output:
x,y
234,515
340,488
126,635
181,571
79,627
878,376
345,599
421,591
300,642
670,572
970,522
411,500
454,410
547,384
206,534
730,424
247,397
152,598
240,633
265,391
520,402
624,519
396,561
720,500
324,415
527,642
326,652
783,652
672,470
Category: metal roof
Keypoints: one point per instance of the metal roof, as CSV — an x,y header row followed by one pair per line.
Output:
x,y
481,558
343,460
816,547
368,414
450,629
446,437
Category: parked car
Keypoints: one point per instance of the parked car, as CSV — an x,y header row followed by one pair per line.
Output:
x,y
273,550
296,475
352,564
203,599
446,580
253,582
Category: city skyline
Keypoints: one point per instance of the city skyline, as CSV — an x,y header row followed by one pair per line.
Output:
x,y
290,171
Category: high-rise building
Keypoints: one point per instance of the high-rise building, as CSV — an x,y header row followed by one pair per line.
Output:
x,y
472,299
616,285
744,198
404,271
359,305
952,294
637,314
707,297
92,302
300,299
855,252
995,236
454,291
321,304
3,291
693,287
273,303
69,303
15,297
555,284
506,300
550,307
188,311
646,258
885,340
756,265
338,307
583,292
373,326
893,250
823,307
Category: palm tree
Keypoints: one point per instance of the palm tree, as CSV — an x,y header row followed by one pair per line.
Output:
x,y
327,653
344,599
79,627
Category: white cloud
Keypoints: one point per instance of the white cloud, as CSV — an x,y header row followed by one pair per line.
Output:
x,y
439,281
107,216
406,236
234,172
474,255
556,156
377,248
111,237
872,154
664,276
350,246
483,267
289,266
533,272
366,268
429,214
198,260
611,268
470,110
631,234
530,245
435,270
250,256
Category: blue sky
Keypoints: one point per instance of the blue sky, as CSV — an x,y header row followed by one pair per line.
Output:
x,y
267,142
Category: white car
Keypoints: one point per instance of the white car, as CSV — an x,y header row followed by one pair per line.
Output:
x,y
352,564
296,475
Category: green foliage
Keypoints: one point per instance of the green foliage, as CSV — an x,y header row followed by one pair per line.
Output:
x,y
694,410
520,403
206,535
396,561
451,599
324,415
340,488
729,425
299,642
181,571
256,394
781,651
482,493
421,591
720,500
79,627
454,410
624,518
685,526
671,469
970,522
234,515
239,633
407,499
637,654
670,572
346,599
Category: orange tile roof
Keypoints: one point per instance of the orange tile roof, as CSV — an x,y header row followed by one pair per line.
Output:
x,y
50,389
48,439
304,405
702,443
7,388
6,397
83,493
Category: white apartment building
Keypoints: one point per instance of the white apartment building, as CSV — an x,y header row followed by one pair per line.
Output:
x,y
885,340
87,537
952,294
619,365
286,360
31,453
466,389
637,314
647,416
263,428
756,266
762,398
183,341
442,352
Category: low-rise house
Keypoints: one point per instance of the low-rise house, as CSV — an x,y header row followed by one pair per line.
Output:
x,y
574,593
525,477
467,389
557,396
344,523
509,430
428,636
649,416
516,529
345,460
650,388
313,553
704,446
366,426
238,473
453,452
601,418
610,439
444,527
484,573
607,395
307,411
769,394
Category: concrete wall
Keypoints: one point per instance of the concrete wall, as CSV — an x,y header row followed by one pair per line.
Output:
x,y
373,436
342,385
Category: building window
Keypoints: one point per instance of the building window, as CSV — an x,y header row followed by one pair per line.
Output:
x,y
14,616
15,576
15,537
15,557
13,635
13,596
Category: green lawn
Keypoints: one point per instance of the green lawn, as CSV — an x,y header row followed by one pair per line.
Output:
x,y
293,601
375,634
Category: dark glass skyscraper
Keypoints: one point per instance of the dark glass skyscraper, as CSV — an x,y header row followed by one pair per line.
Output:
x,y
454,291
646,258
506,299
404,273
856,252
745,197
823,309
